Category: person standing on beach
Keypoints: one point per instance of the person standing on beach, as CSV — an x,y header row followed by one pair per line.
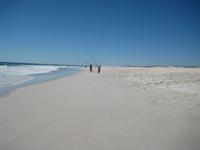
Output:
x,y
99,69
91,68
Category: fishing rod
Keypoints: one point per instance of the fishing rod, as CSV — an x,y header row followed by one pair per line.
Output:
x,y
85,61
93,59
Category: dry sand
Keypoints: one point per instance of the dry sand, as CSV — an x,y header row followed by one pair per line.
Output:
x,y
120,109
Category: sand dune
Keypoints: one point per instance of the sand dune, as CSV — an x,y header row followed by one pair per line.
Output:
x,y
174,78
122,108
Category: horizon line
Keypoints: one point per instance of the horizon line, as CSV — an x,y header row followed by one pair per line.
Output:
x,y
83,65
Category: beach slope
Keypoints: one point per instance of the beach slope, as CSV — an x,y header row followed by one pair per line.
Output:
x,y
121,108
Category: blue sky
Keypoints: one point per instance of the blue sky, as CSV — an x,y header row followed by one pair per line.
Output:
x,y
116,32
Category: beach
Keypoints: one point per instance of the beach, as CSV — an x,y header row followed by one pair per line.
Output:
x,y
122,108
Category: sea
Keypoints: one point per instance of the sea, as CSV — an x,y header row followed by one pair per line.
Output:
x,y
14,75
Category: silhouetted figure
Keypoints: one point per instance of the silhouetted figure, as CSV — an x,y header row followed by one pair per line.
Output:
x,y
99,69
91,68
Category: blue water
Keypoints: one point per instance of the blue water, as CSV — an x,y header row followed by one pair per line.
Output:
x,y
16,75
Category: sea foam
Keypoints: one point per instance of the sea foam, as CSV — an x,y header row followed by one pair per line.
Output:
x,y
16,74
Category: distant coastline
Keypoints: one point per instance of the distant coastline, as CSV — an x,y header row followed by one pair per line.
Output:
x,y
83,65
151,66
27,63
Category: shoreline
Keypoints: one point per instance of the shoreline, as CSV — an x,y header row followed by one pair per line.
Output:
x,y
40,78
111,110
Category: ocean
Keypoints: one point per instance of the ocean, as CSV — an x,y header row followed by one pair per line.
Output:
x,y
15,75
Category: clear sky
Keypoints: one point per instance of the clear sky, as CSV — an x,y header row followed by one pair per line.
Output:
x,y
116,32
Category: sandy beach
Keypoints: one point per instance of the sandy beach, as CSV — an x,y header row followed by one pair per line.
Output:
x,y
123,108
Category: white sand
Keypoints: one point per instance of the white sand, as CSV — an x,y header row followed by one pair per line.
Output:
x,y
122,108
